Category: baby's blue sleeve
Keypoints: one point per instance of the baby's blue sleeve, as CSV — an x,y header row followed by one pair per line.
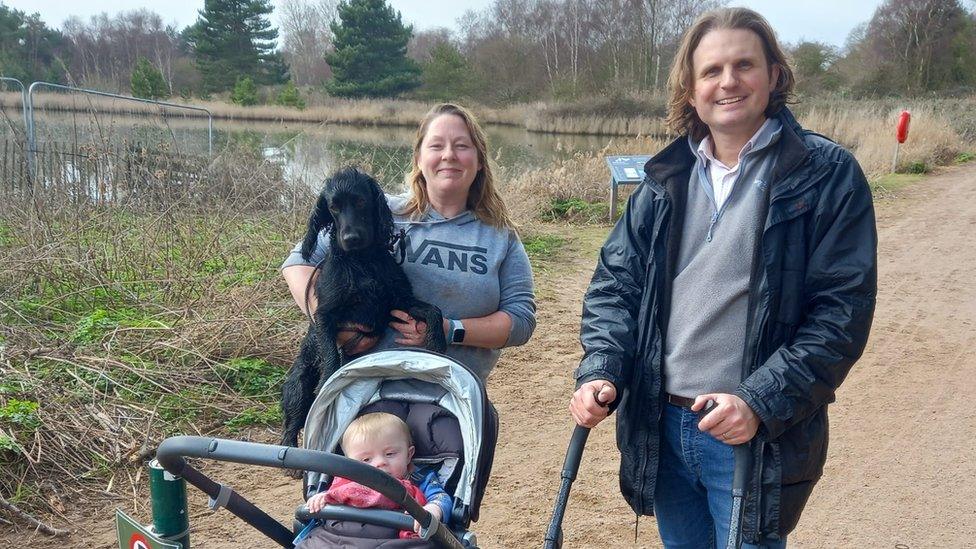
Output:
x,y
434,492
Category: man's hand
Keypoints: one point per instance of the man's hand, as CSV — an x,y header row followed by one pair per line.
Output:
x,y
431,508
731,421
591,402
413,332
349,331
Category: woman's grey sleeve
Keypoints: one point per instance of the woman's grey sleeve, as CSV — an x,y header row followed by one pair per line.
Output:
x,y
516,294
318,254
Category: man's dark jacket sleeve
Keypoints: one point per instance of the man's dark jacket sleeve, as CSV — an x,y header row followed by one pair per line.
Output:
x,y
841,285
612,304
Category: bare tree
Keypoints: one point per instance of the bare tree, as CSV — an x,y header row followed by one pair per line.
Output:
x,y
306,38
910,44
106,49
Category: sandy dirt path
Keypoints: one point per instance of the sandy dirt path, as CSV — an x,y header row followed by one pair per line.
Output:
x,y
901,470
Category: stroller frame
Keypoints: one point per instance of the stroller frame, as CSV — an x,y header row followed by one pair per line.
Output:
x,y
321,434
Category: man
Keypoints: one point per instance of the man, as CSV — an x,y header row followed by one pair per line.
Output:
x,y
742,273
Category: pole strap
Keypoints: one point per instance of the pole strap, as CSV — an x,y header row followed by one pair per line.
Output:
x,y
427,533
223,496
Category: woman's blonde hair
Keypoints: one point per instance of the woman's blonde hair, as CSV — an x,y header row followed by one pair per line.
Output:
x,y
369,426
483,197
682,118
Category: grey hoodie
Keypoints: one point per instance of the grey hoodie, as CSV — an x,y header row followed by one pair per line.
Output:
x,y
464,266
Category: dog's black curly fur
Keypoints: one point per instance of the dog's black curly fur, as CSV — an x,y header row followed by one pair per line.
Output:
x,y
359,283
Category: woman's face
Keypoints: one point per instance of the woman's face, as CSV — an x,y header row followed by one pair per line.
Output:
x,y
448,158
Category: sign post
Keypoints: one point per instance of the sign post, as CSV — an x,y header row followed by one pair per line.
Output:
x,y
624,170
171,520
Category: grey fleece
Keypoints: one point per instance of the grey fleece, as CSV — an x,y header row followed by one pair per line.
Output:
x,y
467,268
710,293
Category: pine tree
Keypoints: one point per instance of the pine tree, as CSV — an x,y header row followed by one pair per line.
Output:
x,y
245,92
290,96
234,38
29,50
147,81
447,74
370,58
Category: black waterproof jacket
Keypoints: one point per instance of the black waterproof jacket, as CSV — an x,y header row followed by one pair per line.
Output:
x,y
811,303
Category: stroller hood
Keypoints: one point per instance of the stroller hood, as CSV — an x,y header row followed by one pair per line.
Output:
x,y
413,376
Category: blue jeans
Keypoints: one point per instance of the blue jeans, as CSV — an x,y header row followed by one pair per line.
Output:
x,y
693,498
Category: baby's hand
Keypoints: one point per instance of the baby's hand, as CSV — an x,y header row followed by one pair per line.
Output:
x,y
431,508
316,502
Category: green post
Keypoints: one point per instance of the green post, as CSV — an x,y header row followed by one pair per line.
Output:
x,y
171,521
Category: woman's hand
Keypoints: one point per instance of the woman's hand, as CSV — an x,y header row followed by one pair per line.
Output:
x,y
413,332
431,508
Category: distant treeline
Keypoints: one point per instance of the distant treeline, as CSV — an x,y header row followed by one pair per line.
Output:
x,y
512,51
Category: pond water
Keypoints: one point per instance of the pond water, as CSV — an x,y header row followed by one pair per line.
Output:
x,y
307,152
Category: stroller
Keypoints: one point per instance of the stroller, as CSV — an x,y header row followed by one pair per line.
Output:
x,y
453,424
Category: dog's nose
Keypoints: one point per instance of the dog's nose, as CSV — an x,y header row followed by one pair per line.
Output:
x,y
352,241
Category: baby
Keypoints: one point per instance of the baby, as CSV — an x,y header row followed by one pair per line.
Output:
x,y
383,441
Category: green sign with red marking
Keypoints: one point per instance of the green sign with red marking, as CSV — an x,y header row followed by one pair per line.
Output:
x,y
133,535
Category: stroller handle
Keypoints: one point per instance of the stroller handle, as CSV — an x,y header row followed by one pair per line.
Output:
x,y
172,451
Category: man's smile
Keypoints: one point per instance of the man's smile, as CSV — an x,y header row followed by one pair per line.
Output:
x,y
730,100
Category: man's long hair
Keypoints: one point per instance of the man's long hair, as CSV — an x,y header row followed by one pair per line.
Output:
x,y
682,118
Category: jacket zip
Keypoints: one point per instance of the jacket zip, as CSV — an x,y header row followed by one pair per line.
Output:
x,y
660,268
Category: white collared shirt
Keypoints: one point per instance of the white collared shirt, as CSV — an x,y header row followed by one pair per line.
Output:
x,y
723,177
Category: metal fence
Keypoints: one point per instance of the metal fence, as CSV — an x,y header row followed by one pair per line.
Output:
x,y
130,173
27,164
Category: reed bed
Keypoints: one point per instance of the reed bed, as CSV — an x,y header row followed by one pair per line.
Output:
x,y
869,132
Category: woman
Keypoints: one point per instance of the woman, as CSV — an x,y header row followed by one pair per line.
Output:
x,y
462,252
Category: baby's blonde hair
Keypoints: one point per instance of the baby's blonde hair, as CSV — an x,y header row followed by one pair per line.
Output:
x,y
370,426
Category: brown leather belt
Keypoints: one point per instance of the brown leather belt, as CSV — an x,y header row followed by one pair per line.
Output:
x,y
676,400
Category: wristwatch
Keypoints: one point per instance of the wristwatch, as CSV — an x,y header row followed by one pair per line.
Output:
x,y
457,332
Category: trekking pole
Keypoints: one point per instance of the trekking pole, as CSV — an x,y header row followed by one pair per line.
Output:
x,y
740,482
554,535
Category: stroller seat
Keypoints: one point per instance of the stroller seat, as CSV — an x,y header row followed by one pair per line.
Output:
x,y
453,425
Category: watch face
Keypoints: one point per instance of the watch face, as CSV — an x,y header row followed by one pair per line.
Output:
x,y
458,335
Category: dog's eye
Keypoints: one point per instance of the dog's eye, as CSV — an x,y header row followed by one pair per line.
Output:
x,y
360,204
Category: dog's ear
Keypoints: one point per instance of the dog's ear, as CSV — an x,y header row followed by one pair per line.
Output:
x,y
321,217
384,217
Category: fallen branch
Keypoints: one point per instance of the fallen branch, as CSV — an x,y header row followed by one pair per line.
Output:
x,y
17,513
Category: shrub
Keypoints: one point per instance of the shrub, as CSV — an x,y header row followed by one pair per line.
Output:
x,y
245,92
290,96
253,377
964,157
918,166
147,82
21,414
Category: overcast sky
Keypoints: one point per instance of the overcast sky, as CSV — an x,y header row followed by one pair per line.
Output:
x,y
821,20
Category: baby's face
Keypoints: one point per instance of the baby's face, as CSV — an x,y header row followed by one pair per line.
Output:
x,y
388,452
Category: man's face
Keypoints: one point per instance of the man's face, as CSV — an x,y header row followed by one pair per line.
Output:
x,y
732,82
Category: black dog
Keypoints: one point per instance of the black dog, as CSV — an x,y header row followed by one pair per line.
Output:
x,y
359,282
